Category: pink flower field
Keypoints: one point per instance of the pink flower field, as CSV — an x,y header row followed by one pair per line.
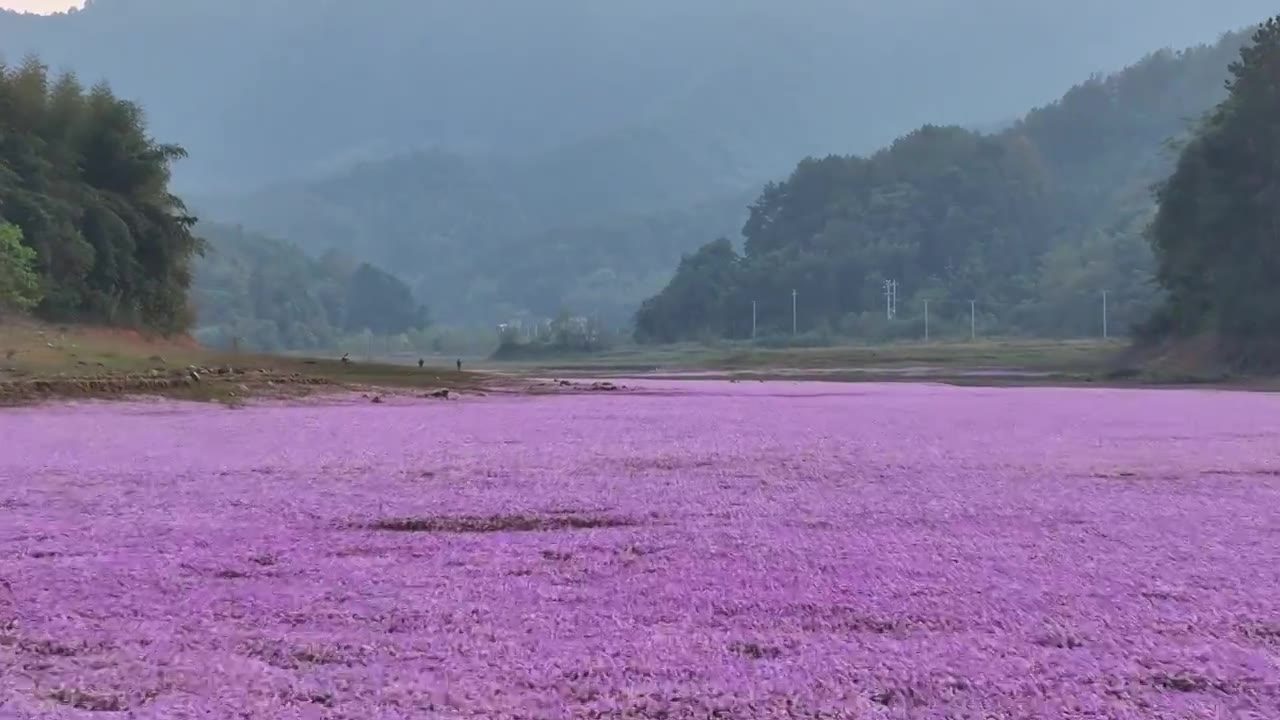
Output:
x,y
774,550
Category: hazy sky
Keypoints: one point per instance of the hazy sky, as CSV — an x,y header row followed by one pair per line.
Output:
x,y
42,6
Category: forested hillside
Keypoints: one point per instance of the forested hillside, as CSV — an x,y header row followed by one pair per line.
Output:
x,y
91,231
483,241
509,159
351,125
1216,235
1032,223
265,294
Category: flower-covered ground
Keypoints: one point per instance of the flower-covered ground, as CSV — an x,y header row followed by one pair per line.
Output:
x,y
719,551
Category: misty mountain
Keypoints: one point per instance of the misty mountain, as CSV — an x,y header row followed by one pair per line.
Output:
x,y
468,232
264,90
511,157
1032,223
603,222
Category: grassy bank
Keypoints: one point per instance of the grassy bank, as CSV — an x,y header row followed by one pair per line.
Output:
x,y
1073,357
1112,363
41,361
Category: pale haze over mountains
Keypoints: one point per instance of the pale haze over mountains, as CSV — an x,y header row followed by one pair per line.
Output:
x,y
278,89
445,138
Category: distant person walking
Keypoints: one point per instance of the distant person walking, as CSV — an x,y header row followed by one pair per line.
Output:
x,y
459,364
421,362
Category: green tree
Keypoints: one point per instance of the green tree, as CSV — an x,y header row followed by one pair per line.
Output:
x,y
699,299
939,203
1216,235
1033,222
19,281
88,187
380,302
270,295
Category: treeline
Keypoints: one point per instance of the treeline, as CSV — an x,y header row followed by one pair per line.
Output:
x,y
1032,223
1217,233
90,232
263,294
88,192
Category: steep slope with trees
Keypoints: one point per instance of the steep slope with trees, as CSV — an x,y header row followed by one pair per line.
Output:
x,y
1216,235
89,232
483,241
1033,223
264,294
568,144
87,188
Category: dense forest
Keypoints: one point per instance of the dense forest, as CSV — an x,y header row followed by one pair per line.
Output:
x,y
1031,224
569,178
84,190
1216,235
570,166
90,232
265,294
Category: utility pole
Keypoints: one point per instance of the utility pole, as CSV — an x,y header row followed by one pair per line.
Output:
x,y
1104,314
973,320
793,313
926,321
753,319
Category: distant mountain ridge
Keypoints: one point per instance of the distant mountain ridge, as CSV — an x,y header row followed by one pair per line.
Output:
x,y
468,232
1031,224
268,90
509,157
